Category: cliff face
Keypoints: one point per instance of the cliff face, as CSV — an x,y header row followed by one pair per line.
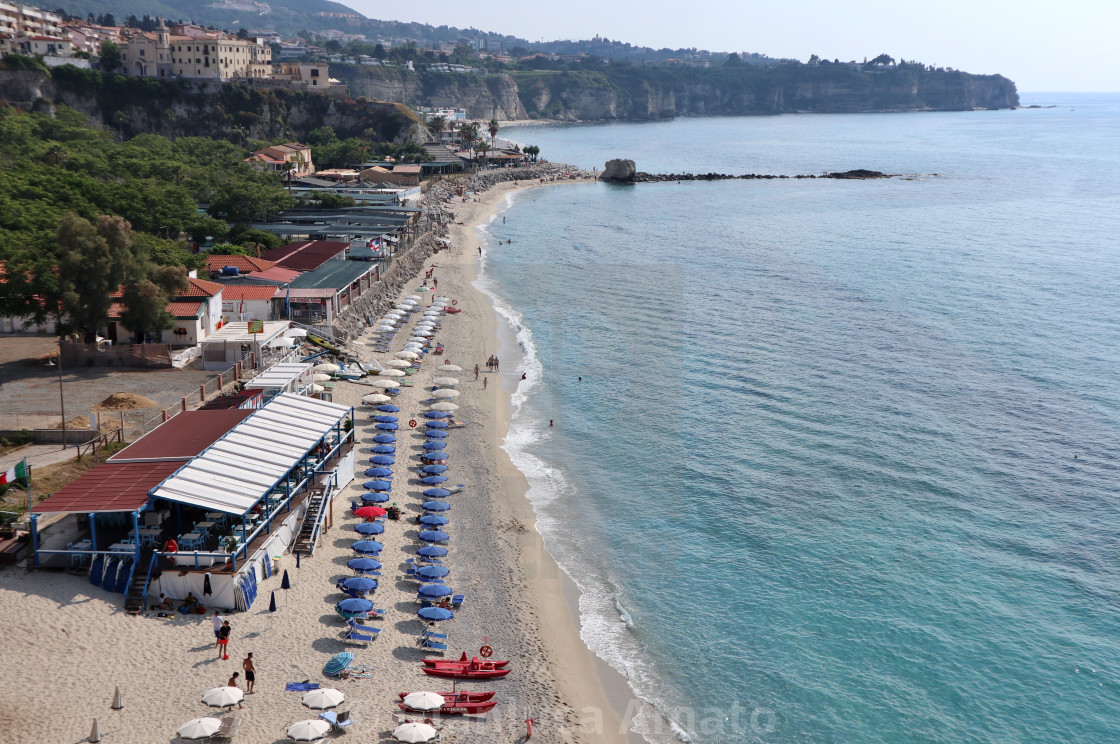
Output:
x,y
188,108
484,97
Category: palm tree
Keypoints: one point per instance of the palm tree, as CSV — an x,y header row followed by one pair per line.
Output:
x,y
437,125
169,117
492,127
483,146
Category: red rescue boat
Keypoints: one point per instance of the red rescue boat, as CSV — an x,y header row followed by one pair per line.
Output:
x,y
456,705
471,697
474,669
462,660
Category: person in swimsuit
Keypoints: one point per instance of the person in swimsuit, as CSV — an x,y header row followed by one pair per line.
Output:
x,y
250,673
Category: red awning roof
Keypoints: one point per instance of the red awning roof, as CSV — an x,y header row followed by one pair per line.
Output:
x,y
306,256
109,488
235,292
182,437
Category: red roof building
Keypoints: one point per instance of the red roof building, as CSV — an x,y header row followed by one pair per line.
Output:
x,y
244,264
306,255
276,274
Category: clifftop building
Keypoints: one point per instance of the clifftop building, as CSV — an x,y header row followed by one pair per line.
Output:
x,y
197,53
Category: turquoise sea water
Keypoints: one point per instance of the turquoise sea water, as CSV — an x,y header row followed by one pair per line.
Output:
x,y
842,466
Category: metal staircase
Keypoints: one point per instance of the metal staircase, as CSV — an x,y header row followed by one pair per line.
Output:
x,y
312,521
138,582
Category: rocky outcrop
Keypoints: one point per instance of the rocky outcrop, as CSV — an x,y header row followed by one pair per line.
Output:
x,y
483,96
622,171
853,175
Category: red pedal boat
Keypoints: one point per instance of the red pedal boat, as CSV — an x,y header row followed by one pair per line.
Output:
x,y
474,669
470,697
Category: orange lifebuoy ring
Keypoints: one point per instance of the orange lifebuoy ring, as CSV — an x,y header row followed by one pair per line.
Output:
x,y
486,652
454,302
171,546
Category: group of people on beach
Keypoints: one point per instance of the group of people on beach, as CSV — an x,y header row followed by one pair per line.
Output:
x,y
492,364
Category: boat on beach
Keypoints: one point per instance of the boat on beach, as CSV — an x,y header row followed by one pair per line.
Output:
x,y
472,697
456,704
474,669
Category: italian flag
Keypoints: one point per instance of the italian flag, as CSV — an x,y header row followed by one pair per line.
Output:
x,y
19,472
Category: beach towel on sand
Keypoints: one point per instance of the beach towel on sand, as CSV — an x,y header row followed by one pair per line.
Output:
x,y
301,686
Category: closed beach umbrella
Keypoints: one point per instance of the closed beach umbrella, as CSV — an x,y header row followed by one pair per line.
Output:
x,y
375,497
383,449
323,698
338,663
390,373
369,528
414,733
379,472
384,439
366,547
436,424
434,520
199,728
385,384
433,536
432,551
424,700
398,363
433,480
434,445
437,493
320,377
434,591
309,730
446,381
434,469
387,408
437,414
369,512
223,697
433,572
358,585
436,456
385,419
436,433
382,459
387,427
449,368
363,565
374,398
435,506
327,367
445,406
435,614
378,485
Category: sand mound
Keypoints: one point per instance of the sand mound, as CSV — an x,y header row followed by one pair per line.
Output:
x,y
78,422
125,402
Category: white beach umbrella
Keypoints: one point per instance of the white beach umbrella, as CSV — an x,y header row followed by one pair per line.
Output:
x,y
223,697
442,298
449,368
319,377
199,728
316,389
445,393
411,302
424,700
309,730
393,315
423,333
294,333
403,307
413,297
406,355
413,346
423,289
391,373
414,733
424,327
327,367
375,398
385,383
398,363
444,405
433,312
281,342
323,698
446,381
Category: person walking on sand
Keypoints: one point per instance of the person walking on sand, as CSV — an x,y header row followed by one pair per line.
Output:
x,y
217,620
233,683
223,639
250,673
484,379
476,371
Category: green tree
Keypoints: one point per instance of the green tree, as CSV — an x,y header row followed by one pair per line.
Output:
x,y
146,291
492,127
483,146
733,59
532,151
91,264
437,125
468,133
111,56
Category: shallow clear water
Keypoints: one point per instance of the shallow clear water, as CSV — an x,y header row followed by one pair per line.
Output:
x,y
842,466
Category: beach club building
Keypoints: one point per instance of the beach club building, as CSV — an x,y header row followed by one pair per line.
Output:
x,y
203,503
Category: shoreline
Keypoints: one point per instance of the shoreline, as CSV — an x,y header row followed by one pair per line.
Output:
x,y
588,683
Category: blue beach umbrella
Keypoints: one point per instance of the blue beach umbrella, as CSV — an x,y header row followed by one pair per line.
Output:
x,y
380,472
434,469
437,493
386,427
437,424
435,506
358,585
383,449
437,414
382,460
436,433
433,572
367,547
434,520
434,445
385,419
363,565
434,591
386,408
378,485
339,662
355,606
433,536
436,456
375,497
369,528
384,439
433,480
435,614
432,551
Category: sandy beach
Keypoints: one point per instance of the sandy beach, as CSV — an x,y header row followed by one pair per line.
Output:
x,y
69,644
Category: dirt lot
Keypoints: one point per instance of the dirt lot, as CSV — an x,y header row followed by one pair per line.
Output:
x,y
29,390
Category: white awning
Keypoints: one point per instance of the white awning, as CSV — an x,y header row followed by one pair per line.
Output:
x,y
237,471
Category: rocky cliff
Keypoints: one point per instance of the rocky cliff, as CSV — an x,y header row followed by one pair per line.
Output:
x,y
190,108
483,96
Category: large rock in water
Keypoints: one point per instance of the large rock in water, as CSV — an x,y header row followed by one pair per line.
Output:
x,y
619,170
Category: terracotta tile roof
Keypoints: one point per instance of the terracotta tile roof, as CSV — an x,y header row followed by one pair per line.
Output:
x,y
236,292
275,274
307,255
201,288
181,310
244,264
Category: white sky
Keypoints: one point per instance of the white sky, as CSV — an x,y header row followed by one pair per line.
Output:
x,y
1051,45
